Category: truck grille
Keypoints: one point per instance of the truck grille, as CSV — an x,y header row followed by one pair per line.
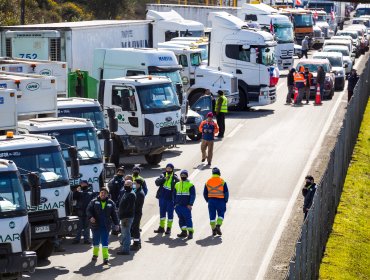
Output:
x,y
272,92
286,54
234,84
54,49
169,130
8,47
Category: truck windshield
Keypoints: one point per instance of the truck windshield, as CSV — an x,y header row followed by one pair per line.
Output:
x,y
11,193
158,98
321,18
46,161
174,76
195,59
267,56
86,141
284,34
193,33
304,20
95,114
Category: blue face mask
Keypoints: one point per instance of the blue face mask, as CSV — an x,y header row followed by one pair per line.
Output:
x,y
134,187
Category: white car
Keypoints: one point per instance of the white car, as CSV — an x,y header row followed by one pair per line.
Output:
x,y
338,66
355,39
345,52
318,38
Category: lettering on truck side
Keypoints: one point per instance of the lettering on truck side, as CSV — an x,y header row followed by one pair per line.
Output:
x,y
77,181
10,238
165,124
46,206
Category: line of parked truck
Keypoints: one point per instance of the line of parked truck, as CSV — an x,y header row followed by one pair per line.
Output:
x,y
54,115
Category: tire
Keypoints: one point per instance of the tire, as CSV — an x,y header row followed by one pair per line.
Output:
x,y
11,276
153,159
195,95
45,250
196,137
242,105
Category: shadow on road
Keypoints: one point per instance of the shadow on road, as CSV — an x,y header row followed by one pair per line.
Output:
x,y
92,268
48,273
252,114
166,240
209,241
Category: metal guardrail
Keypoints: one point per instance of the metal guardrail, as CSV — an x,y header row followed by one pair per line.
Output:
x,y
310,246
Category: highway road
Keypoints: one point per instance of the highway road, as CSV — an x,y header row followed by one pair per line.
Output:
x,y
264,157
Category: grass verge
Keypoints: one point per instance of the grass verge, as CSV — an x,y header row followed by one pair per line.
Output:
x,y
347,254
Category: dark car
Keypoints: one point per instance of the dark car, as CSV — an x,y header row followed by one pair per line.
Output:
x,y
312,65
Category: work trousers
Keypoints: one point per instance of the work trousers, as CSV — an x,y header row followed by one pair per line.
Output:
x,y
135,228
166,209
290,94
216,208
100,236
126,234
203,147
220,117
307,93
185,219
83,226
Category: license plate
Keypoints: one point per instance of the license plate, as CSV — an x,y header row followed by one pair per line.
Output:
x,y
312,87
188,127
169,139
42,229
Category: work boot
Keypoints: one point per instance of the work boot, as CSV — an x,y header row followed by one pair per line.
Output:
x,y
214,232
136,246
190,235
218,230
106,262
183,234
168,231
159,230
94,258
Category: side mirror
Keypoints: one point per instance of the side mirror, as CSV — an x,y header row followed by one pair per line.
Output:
x,y
179,92
108,148
112,120
109,171
345,65
34,182
75,164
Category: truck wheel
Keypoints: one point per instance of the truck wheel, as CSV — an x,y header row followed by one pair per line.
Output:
x,y
11,276
195,96
45,251
195,137
242,105
153,159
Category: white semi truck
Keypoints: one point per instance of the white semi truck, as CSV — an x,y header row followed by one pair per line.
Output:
x,y
56,69
15,234
42,155
197,78
246,53
280,25
148,113
75,42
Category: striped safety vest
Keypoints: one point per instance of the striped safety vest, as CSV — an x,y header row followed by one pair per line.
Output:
x,y
215,187
168,183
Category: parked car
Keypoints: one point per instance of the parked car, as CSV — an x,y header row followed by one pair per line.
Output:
x,y
312,65
362,33
337,66
345,52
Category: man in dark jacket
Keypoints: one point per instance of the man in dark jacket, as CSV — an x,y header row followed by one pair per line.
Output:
x,y
126,215
308,83
83,195
136,175
184,197
166,183
209,129
139,203
101,212
352,81
308,193
116,184
320,80
290,84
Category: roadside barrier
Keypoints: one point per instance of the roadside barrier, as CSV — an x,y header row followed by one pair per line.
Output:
x,y
310,246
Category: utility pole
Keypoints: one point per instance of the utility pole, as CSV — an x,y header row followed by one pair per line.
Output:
x,y
23,12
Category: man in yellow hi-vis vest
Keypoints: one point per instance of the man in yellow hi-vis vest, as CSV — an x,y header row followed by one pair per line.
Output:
x,y
221,110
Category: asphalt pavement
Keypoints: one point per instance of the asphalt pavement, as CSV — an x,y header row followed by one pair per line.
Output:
x,y
263,158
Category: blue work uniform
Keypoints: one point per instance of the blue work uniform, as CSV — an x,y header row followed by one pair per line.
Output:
x,y
184,195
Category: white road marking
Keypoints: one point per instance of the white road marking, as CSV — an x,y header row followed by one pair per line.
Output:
x,y
149,224
195,173
273,244
279,86
235,130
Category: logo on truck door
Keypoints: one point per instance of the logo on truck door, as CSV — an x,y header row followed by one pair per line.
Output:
x,y
45,72
33,86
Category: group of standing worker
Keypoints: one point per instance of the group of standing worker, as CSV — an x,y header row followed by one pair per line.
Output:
x,y
119,208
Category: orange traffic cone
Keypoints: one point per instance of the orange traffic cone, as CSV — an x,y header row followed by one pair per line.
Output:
x,y
295,95
318,95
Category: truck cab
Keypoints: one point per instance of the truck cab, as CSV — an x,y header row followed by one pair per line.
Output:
x,y
51,218
246,53
8,110
15,236
148,113
197,77
76,132
279,25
